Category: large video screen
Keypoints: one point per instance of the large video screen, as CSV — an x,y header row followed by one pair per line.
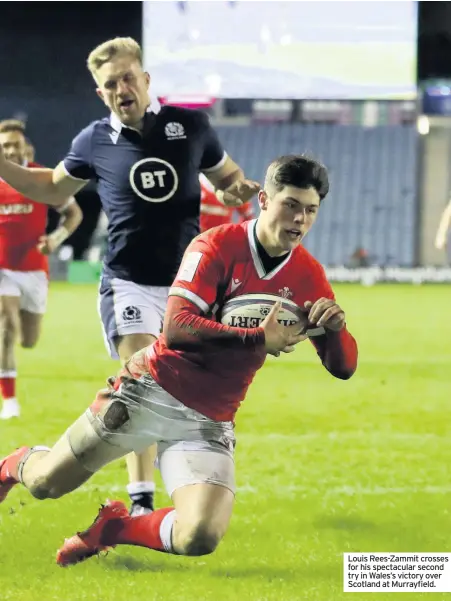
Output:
x,y
278,49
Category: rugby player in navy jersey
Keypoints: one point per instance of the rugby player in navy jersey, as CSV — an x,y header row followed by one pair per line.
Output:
x,y
146,166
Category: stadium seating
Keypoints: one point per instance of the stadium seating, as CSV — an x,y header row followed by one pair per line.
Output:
x,y
373,181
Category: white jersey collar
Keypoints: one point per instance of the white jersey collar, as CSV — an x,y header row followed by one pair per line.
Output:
x,y
117,124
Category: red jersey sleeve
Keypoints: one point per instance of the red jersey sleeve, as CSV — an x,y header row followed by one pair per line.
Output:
x,y
337,350
199,281
201,273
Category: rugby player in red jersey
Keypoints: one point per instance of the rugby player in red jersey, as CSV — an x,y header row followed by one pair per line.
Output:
x,y
183,392
213,212
24,247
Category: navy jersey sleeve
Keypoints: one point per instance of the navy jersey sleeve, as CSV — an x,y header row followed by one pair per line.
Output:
x,y
213,155
78,161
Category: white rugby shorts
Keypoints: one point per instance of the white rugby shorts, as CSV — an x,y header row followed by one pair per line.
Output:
x,y
31,286
128,308
192,448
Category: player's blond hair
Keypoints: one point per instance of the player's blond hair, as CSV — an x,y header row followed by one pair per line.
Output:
x,y
8,125
106,51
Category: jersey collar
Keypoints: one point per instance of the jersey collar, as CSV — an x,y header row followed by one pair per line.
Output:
x,y
258,263
117,124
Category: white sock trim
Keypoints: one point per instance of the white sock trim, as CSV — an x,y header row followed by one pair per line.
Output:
x,y
25,458
166,531
5,373
137,488
11,401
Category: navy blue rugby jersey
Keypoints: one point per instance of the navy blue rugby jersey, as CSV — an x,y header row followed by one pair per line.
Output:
x,y
149,187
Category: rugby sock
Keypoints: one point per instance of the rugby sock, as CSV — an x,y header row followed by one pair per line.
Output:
x,y
142,493
8,384
9,471
153,530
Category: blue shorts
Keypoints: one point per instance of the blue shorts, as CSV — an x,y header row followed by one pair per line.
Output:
x,y
128,308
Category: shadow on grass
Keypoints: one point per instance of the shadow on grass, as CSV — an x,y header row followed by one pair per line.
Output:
x,y
152,564
346,523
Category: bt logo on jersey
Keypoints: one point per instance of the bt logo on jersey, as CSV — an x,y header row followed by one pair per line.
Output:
x,y
149,180
154,180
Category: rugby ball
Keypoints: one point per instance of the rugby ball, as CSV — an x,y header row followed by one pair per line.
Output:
x,y
249,310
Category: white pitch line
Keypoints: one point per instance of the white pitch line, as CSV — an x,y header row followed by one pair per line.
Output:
x,y
367,436
286,491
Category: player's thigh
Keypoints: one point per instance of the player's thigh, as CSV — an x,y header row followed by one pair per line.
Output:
x,y
33,304
129,312
130,344
9,302
34,287
200,478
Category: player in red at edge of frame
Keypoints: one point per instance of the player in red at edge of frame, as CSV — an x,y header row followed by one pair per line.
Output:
x,y
213,212
153,398
24,267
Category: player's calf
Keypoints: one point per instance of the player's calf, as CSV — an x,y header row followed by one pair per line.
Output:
x,y
30,329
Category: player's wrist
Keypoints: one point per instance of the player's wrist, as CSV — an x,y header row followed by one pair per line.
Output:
x,y
59,235
256,336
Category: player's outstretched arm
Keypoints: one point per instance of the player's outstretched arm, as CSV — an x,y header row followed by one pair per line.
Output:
x,y
49,186
337,349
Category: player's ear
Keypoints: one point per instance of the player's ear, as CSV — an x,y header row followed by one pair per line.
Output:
x,y
262,200
148,78
100,94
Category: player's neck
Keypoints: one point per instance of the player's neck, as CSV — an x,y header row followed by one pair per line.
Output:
x,y
138,126
273,250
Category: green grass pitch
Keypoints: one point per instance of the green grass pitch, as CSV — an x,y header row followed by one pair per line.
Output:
x,y
323,466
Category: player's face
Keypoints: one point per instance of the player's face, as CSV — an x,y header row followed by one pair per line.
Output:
x,y
286,217
29,153
13,145
124,88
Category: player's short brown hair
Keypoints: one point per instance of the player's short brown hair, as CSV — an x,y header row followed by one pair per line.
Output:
x,y
108,50
297,170
8,125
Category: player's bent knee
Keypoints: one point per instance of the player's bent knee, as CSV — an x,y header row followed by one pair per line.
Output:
x,y
90,436
42,488
28,344
201,539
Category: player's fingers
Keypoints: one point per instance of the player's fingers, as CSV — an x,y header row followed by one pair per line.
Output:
x,y
314,307
329,314
336,322
288,349
273,314
230,200
294,339
318,309
253,186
